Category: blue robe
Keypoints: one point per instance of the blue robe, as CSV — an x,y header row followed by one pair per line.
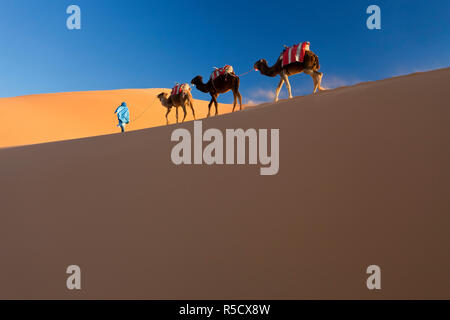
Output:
x,y
123,114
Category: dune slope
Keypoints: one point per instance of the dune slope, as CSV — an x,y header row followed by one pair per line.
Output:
x,y
364,179
61,116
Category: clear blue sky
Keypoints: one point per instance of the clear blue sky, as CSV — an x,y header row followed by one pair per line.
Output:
x,y
147,44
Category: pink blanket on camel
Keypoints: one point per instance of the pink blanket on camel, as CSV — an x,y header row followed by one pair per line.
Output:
x,y
295,53
178,88
221,71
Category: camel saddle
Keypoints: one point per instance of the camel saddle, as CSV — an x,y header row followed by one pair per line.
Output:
x,y
179,88
295,53
221,71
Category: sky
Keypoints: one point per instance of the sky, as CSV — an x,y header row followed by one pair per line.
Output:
x,y
154,44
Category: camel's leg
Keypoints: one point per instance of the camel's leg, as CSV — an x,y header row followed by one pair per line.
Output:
x,y
314,77
209,107
184,110
236,93
319,80
216,104
317,77
316,81
234,100
176,108
167,115
288,85
277,92
240,100
192,107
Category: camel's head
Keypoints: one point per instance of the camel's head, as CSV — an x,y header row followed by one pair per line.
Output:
x,y
162,95
259,63
197,80
185,87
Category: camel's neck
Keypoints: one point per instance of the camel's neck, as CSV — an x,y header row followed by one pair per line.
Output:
x,y
271,71
165,102
204,87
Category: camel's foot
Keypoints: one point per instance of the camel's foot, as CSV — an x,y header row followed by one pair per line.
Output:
x,y
318,90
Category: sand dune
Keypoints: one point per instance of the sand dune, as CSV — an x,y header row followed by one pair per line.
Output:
x,y
364,179
62,116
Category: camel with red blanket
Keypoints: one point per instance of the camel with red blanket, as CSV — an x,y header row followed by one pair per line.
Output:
x,y
293,60
180,97
221,81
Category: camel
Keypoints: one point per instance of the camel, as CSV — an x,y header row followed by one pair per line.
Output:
x,y
182,99
221,84
310,65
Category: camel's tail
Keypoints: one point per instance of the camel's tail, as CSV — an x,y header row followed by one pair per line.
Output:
x,y
237,82
316,63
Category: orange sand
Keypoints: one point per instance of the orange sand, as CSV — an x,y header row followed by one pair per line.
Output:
x,y
62,116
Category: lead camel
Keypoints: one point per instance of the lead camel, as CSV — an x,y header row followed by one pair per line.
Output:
x,y
310,65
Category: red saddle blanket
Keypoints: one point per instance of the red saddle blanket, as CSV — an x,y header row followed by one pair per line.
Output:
x,y
295,53
179,88
224,70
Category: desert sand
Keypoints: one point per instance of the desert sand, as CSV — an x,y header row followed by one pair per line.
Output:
x,y
364,179
62,116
